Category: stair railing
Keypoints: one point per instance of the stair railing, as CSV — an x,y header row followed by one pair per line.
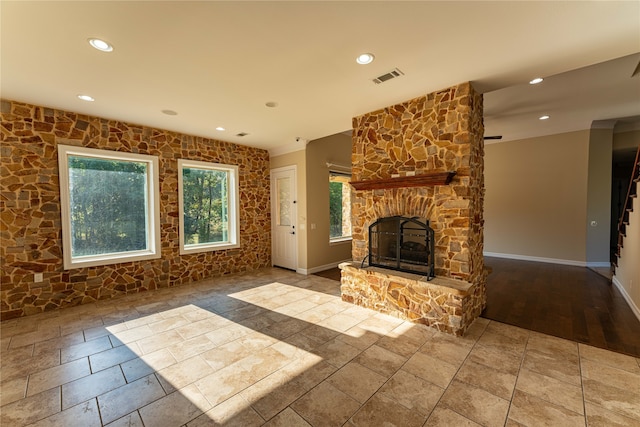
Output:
x,y
628,203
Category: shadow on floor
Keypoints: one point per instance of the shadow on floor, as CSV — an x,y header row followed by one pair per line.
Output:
x,y
332,273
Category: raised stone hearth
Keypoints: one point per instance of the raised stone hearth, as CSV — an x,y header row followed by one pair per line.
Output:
x,y
441,303
422,158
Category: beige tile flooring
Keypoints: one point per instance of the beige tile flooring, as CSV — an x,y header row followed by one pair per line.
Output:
x,y
280,349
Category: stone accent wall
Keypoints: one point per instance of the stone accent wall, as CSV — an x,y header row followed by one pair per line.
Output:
x,y
440,132
30,203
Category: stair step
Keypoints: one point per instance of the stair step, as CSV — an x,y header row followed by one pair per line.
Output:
x,y
632,192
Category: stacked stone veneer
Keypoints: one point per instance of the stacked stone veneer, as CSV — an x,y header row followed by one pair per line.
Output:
x,y
440,132
30,203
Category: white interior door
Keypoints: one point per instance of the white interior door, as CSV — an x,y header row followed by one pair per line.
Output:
x,y
283,218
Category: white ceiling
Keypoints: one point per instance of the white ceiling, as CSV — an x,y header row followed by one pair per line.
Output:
x,y
218,63
604,93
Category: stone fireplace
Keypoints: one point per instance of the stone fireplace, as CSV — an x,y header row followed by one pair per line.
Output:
x,y
421,159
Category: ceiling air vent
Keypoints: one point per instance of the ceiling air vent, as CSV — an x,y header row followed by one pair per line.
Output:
x,y
241,134
390,75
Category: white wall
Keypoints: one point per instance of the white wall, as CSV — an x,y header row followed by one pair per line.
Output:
x,y
536,198
315,252
321,254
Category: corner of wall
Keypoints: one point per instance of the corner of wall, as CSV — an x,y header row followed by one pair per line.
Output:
x,y
321,254
597,227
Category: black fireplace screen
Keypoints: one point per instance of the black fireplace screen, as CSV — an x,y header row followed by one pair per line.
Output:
x,y
401,243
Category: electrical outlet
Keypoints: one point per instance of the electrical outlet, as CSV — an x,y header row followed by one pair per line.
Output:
x,y
37,277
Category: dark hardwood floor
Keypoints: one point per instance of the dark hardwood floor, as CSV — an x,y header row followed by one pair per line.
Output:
x,y
574,303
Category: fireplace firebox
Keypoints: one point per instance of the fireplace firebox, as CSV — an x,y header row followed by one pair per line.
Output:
x,y
403,244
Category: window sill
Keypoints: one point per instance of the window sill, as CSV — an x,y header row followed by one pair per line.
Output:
x,y
109,259
207,248
339,241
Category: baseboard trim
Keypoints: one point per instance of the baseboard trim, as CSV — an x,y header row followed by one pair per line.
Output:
x,y
599,264
627,297
537,259
307,271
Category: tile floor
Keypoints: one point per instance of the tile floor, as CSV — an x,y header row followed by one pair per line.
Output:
x,y
280,349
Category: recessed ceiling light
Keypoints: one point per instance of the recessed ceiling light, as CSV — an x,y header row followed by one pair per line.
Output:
x,y
545,117
101,45
365,58
271,104
86,98
169,112
220,128
536,81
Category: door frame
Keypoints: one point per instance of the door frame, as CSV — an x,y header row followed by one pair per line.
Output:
x,y
294,219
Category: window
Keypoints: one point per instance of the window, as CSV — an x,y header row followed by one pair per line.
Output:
x,y
208,194
339,207
110,212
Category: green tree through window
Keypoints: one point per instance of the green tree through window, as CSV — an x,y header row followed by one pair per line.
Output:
x,y
108,206
335,209
208,194
205,206
339,206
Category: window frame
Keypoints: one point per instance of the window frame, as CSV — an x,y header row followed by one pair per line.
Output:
x,y
339,239
152,220
233,207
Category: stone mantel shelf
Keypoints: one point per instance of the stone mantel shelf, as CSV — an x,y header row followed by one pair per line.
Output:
x,y
424,180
